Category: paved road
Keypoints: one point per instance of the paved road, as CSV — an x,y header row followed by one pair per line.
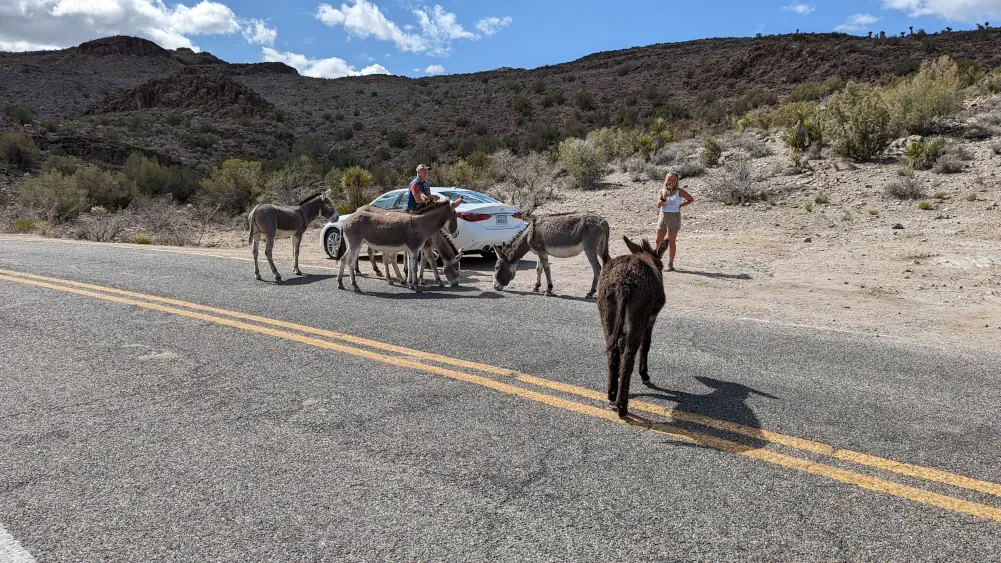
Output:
x,y
162,405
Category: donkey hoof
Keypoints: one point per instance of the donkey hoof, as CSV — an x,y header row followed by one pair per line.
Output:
x,y
441,284
537,288
299,273
278,279
258,276
622,410
589,295
340,285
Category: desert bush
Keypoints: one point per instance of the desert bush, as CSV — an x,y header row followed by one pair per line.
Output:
x,y
581,161
675,152
690,169
991,83
809,92
790,114
933,93
585,101
232,186
161,220
948,164
154,180
962,153
63,164
611,143
19,151
54,194
144,239
996,147
732,184
354,185
292,183
858,122
25,225
100,226
711,152
752,146
922,155
904,188
22,115
108,190
526,182
925,206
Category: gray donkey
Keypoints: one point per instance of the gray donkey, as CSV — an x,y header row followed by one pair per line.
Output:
x,y
564,236
630,295
396,232
440,241
275,221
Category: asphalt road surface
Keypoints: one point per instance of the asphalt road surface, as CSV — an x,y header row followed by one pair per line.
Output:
x,y
162,405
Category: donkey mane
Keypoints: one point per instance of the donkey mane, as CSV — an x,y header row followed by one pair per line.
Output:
x,y
449,242
429,207
310,198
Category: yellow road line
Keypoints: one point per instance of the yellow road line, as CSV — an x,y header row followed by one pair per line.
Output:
x,y
893,466
790,462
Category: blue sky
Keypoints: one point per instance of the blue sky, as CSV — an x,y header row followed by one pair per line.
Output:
x,y
404,37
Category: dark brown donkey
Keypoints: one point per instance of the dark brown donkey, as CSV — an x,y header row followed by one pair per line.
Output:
x,y
630,295
275,221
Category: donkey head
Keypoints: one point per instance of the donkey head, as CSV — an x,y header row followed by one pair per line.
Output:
x,y
451,269
328,208
504,269
453,220
645,249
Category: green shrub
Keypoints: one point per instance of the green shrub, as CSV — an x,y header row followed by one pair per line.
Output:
x,y
585,101
56,195
922,155
808,92
611,143
949,164
144,239
354,185
232,186
152,179
924,205
111,190
711,152
25,226
62,163
292,183
524,106
399,139
905,188
19,151
858,122
21,115
581,161
690,169
935,92
939,195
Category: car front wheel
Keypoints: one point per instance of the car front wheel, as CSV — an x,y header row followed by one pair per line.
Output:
x,y
333,243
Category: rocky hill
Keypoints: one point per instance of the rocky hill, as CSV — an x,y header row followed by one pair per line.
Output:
x,y
197,109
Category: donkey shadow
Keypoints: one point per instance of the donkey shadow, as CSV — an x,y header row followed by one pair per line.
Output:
x,y
306,279
553,296
726,401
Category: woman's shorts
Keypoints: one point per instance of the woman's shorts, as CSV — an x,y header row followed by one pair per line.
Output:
x,y
670,221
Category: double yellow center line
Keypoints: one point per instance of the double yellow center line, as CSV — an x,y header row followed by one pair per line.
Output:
x,y
528,387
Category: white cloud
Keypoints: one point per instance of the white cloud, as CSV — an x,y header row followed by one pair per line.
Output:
x,y
801,9
258,33
968,11
363,19
332,67
858,22
434,69
47,24
492,25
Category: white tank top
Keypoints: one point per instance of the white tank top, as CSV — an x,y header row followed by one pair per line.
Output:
x,y
672,204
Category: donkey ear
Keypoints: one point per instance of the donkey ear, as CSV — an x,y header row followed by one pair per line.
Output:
x,y
662,248
457,202
632,246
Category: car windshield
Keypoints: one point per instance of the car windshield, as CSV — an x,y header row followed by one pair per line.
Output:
x,y
471,197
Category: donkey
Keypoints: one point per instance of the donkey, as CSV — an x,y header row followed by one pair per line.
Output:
x,y
396,232
564,236
275,221
630,295
440,241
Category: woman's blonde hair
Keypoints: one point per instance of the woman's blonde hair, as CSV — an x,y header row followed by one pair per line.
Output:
x,y
668,177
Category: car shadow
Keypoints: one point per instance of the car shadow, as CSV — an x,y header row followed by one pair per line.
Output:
x,y
726,402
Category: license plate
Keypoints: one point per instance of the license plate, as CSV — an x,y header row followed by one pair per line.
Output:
x,y
502,219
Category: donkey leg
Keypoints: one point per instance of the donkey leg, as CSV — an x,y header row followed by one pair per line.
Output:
x,y
632,344
257,243
644,352
296,241
386,257
414,256
353,264
538,275
614,356
375,265
268,247
549,274
396,268
592,257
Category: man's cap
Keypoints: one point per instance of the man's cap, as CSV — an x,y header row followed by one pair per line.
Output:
x,y
422,167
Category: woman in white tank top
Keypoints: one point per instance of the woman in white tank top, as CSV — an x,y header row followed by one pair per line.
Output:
x,y
670,199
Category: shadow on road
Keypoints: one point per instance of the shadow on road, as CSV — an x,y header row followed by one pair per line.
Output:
x,y
725,402
554,296
714,275
306,279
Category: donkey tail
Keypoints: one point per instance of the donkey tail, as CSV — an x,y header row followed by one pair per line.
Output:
x,y
605,258
251,224
617,322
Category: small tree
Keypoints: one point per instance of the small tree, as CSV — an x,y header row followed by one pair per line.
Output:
x,y
581,161
292,183
525,182
19,151
711,152
56,195
858,122
355,182
233,186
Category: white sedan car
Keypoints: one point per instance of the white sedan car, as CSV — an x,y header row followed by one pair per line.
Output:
x,y
483,221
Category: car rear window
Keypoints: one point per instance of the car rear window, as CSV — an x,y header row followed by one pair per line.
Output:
x,y
472,197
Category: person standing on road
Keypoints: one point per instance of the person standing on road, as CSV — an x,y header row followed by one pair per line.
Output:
x,y
670,199
420,192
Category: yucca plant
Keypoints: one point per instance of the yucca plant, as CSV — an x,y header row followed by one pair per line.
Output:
x,y
355,182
